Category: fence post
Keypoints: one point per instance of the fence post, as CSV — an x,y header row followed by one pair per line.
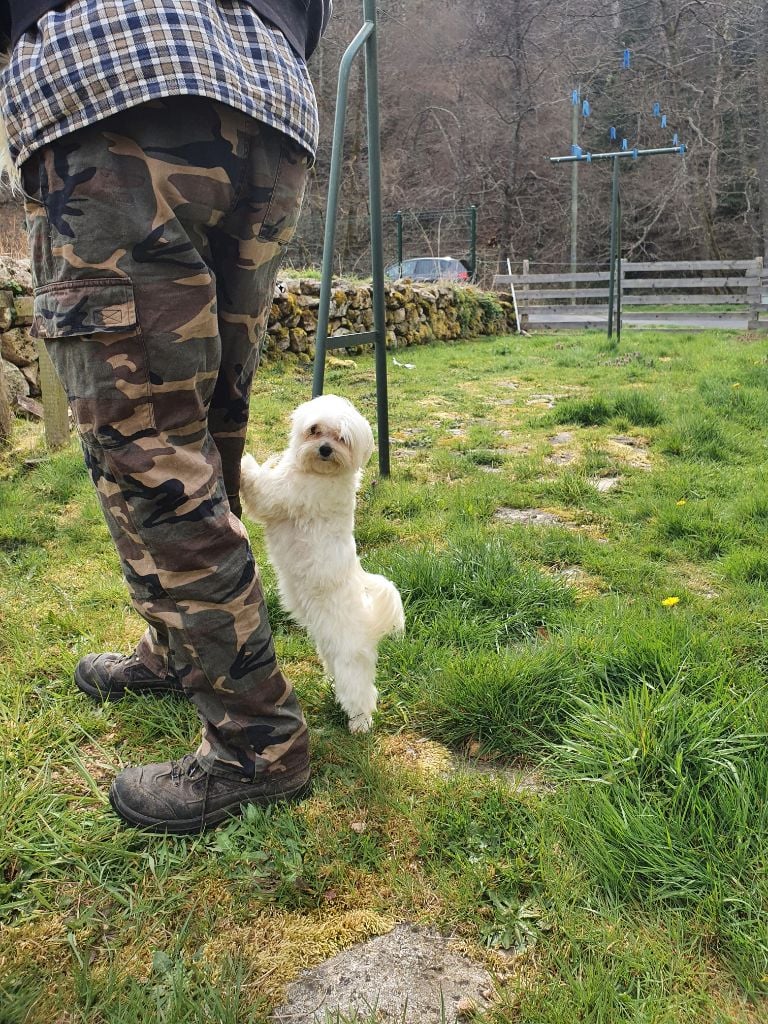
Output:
x,y
524,287
399,223
755,294
55,409
6,417
473,241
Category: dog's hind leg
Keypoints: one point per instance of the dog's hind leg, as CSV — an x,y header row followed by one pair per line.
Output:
x,y
353,683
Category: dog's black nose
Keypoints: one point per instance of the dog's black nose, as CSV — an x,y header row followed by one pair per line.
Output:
x,y
325,450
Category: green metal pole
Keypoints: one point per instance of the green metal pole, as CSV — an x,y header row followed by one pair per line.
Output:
x,y
574,195
399,222
377,235
334,186
618,274
614,227
473,240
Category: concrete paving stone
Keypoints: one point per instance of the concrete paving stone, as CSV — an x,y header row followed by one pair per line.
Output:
x,y
604,484
527,517
410,976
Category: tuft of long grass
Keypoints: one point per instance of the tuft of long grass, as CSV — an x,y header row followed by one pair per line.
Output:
x,y
636,407
664,803
700,437
588,412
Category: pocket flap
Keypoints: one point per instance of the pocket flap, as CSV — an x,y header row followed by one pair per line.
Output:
x,y
68,309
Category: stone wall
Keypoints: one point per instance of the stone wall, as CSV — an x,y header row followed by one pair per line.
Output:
x,y
18,352
416,314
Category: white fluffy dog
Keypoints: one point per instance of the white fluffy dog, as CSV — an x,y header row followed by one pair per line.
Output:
x,y
305,499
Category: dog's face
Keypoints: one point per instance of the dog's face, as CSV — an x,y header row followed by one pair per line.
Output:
x,y
329,436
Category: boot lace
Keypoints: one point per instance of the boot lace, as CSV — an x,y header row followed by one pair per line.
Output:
x,y
186,766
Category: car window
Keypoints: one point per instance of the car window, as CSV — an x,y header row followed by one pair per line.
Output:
x,y
426,268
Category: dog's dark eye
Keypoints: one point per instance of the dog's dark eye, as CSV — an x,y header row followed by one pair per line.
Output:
x,y
313,430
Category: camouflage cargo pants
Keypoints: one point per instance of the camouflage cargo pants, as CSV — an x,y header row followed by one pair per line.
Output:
x,y
156,237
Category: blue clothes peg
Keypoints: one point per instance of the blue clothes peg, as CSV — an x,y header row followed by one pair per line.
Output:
x,y
657,110
624,144
576,150
675,140
663,120
585,108
634,154
613,134
627,58
575,97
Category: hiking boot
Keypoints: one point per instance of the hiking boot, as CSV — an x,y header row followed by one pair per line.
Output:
x,y
182,798
111,676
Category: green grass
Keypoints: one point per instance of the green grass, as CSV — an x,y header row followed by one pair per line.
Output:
x,y
631,885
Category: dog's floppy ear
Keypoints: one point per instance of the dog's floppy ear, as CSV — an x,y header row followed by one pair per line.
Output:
x,y
356,432
298,413
299,421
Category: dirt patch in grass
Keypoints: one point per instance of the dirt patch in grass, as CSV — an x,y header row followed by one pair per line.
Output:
x,y
633,451
518,778
585,585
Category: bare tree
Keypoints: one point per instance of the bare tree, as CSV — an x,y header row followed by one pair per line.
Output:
x,y
475,98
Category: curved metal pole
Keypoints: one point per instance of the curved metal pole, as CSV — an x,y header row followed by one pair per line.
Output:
x,y
365,37
337,155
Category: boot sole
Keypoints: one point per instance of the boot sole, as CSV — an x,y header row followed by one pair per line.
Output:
x,y
92,690
194,826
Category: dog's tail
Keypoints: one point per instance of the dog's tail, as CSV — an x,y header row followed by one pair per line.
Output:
x,y
386,604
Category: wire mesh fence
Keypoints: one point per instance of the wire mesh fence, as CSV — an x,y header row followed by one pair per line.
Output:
x,y
408,234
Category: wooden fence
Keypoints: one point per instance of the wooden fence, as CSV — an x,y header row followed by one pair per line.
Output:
x,y
581,300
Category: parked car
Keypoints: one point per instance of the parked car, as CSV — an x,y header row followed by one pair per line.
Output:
x,y
429,268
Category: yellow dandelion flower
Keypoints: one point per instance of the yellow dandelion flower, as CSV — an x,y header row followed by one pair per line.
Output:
x,y
683,501
670,602
737,385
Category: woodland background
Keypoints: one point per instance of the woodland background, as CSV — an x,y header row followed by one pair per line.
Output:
x,y
477,96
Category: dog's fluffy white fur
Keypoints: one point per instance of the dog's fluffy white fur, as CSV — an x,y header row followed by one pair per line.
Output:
x,y
305,499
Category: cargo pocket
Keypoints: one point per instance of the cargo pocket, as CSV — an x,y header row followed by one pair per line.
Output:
x,y
284,205
96,345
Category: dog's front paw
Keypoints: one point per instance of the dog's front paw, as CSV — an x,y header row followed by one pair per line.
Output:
x,y
249,467
360,723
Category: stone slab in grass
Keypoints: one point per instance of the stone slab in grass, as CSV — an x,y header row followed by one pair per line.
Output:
x,y
541,517
410,976
561,458
564,437
527,517
605,483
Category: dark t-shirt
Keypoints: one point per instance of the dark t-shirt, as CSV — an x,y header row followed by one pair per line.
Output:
x,y
301,21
